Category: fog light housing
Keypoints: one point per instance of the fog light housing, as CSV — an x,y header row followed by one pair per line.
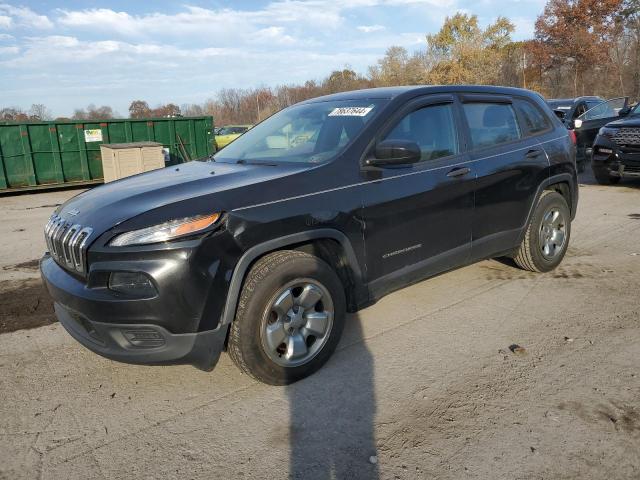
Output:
x,y
144,337
132,283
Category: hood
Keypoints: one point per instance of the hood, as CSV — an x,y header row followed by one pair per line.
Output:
x,y
633,121
106,206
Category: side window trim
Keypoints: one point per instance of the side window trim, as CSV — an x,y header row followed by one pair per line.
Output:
x,y
478,98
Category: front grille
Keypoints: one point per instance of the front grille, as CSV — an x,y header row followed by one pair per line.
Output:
x,y
626,136
67,243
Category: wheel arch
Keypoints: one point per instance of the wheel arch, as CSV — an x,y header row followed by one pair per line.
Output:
x,y
563,183
320,242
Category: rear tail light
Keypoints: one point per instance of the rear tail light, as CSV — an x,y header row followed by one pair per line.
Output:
x,y
572,136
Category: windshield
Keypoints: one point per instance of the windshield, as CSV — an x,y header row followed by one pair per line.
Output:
x,y
310,133
607,109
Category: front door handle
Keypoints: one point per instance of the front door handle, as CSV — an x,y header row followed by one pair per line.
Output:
x,y
533,153
458,172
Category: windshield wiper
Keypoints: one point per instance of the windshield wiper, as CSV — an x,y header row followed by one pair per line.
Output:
x,y
245,162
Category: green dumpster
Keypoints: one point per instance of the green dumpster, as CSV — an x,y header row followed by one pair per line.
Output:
x,y
46,154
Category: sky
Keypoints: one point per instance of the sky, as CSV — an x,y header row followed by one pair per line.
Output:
x,y
68,54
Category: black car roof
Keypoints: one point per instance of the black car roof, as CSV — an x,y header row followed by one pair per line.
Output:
x,y
393,92
571,100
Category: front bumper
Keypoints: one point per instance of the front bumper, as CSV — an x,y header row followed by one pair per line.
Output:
x,y
619,163
136,342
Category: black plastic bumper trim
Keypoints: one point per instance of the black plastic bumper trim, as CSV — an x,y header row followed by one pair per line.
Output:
x,y
202,350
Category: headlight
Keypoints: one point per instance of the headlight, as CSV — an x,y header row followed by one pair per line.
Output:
x,y
165,231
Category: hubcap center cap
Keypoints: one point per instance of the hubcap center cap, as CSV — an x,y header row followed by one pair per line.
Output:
x,y
296,319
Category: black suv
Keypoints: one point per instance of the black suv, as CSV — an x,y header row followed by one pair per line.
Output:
x,y
585,116
616,150
321,209
568,109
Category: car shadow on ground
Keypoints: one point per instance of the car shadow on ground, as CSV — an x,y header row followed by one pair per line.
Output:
x,y
587,178
332,414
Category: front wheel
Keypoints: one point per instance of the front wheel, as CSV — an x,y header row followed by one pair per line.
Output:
x,y
547,237
290,318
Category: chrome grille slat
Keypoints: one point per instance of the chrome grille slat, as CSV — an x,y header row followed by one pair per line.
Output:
x,y
67,243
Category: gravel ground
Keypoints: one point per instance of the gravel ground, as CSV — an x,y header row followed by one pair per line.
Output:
x,y
424,384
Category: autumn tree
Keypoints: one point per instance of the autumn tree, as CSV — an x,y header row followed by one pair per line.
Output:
x,y
398,67
629,39
13,114
343,80
168,110
576,34
93,113
462,52
139,109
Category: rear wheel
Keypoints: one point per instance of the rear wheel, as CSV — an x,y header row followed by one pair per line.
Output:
x,y
290,318
603,177
547,237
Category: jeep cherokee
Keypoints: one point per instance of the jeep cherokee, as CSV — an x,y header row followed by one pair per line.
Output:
x,y
321,209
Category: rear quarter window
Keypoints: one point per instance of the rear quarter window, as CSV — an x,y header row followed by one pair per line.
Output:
x,y
533,119
491,123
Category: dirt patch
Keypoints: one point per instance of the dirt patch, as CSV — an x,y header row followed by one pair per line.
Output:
x,y
51,205
30,266
24,304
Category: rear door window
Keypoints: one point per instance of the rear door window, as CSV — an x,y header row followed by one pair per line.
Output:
x,y
533,120
491,123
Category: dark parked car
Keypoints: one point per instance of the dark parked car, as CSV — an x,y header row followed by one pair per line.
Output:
x,y
616,150
586,116
568,109
263,249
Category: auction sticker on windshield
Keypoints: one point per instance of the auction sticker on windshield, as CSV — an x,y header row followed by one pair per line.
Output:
x,y
350,111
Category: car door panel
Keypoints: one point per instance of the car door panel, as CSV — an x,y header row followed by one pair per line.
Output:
x,y
507,173
418,219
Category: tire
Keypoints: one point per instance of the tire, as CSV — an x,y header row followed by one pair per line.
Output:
x,y
533,254
277,281
603,177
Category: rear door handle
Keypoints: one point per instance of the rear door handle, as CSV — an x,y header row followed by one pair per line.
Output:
x,y
533,153
458,172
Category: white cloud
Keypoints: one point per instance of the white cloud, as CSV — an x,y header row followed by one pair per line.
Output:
x,y
204,22
273,35
370,28
111,56
9,50
6,36
22,17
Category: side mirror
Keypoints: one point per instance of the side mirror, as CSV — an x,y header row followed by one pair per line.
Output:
x,y
577,123
624,111
395,152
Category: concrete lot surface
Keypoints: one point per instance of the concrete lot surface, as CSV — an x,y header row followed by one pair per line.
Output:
x,y
424,384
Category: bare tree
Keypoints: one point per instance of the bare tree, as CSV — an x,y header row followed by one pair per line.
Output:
x,y
39,111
